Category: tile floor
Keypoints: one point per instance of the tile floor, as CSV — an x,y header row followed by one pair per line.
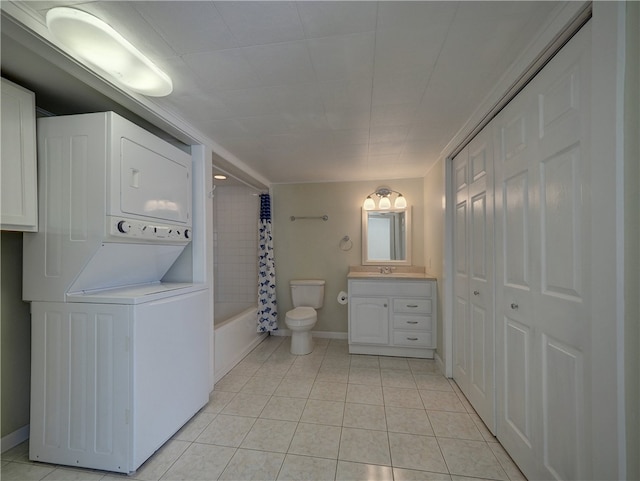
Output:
x,y
325,416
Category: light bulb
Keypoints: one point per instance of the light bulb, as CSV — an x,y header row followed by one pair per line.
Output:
x,y
369,204
400,203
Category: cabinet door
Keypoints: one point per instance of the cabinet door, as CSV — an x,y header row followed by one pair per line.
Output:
x,y
369,320
18,160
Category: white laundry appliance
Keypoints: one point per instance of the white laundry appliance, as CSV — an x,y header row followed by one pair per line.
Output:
x,y
120,359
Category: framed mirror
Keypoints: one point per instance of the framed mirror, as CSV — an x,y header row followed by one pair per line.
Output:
x,y
386,237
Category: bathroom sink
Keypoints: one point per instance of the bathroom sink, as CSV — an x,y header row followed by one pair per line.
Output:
x,y
371,274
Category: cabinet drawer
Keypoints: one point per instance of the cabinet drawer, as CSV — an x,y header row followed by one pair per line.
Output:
x,y
417,306
412,322
412,338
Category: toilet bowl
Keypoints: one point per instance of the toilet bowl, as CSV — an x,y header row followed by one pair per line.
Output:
x,y
300,321
307,296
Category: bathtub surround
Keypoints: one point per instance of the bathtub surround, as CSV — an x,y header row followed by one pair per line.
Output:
x,y
235,217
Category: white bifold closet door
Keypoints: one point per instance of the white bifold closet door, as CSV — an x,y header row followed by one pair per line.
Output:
x,y
522,199
474,351
542,246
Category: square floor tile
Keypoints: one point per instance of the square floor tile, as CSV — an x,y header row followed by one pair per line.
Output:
x,y
400,474
335,361
360,360
365,416
398,363
316,440
328,391
424,366
226,430
232,382
323,412
253,465
506,462
433,382
365,394
410,421
364,375
441,401
194,427
297,468
217,401
295,387
284,408
396,378
365,446
200,462
402,398
454,425
471,458
158,464
261,385
412,451
246,404
348,471
71,474
270,435
333,375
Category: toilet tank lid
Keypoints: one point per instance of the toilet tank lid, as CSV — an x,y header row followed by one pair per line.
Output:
x,y
307,282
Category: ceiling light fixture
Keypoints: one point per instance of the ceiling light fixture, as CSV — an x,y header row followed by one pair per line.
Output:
x,y
92,40
384,194
220,177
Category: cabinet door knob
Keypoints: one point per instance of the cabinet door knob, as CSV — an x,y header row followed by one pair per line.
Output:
x,y
476,293
514,306
385,305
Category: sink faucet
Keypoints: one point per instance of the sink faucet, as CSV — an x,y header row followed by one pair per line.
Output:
x,y
386,269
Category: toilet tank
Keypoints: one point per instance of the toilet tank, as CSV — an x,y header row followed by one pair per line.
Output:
x,y
307,293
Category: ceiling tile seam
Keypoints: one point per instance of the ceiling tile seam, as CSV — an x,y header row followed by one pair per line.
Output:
x,y
373,69
157,31
435,65
313,66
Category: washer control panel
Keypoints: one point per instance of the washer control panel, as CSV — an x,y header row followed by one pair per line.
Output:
x,y
144,231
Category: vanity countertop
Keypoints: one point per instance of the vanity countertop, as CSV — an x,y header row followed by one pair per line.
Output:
x,y
386,272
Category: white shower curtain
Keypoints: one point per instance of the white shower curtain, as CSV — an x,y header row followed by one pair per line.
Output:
x,y
267,311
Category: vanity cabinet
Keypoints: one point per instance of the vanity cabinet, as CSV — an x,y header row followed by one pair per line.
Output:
x,y
19,203
392,317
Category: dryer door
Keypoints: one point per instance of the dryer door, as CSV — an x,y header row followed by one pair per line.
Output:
x,y
152,184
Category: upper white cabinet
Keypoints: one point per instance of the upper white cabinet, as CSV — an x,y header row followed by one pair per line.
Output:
x,y
19,201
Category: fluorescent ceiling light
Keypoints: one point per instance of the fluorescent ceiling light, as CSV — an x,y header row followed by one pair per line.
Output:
x,y
94,41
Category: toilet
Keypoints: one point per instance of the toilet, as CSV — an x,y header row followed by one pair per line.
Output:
x,y
307,296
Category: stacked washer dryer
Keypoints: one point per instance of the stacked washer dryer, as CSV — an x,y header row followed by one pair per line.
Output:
x,y
119,357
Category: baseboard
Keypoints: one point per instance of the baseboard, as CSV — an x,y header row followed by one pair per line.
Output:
x,y
11,440
318,334
439,362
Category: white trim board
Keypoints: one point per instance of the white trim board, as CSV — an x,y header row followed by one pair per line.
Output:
x,y
11,440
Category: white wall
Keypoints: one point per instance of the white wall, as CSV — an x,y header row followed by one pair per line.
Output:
x,y
309,249
434,221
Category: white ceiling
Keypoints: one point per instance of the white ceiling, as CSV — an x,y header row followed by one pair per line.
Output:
x,y
326,91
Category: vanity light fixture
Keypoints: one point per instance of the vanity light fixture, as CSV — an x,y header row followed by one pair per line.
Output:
x,y
97,43
384,194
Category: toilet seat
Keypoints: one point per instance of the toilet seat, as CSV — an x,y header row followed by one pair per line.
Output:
x,y
301,317
301,313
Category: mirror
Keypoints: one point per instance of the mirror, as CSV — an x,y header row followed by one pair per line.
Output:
x,y
386,237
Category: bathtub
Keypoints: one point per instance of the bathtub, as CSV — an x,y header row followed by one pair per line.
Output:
x,y
234,338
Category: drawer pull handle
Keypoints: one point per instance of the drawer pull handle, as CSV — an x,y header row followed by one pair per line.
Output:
x,y
412,338
412,322
413,306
